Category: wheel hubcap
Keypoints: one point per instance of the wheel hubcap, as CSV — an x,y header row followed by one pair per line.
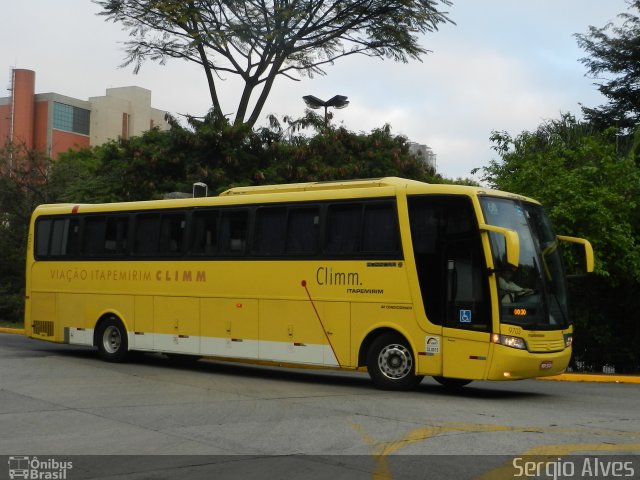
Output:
x,y
395,361
111,340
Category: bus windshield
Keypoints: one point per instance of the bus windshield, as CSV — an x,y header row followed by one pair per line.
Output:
x,y
533,296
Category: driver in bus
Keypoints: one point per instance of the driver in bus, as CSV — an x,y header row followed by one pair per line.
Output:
x,y
511,290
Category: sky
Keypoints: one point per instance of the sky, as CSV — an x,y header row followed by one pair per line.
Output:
x,y
506,65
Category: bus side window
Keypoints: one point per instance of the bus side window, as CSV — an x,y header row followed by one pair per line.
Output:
x,y
43,237
343,228
204,236
303,230
57,238
116,235
72,240
147,232
270,234
380,229
425,216
160,234
233,231
93,241
172,232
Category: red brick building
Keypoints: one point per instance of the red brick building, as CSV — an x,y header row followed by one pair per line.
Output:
x,y
54,123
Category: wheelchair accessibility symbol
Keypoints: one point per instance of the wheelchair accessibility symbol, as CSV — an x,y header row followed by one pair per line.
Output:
x,y
465,316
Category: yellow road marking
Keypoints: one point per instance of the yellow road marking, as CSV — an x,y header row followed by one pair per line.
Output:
x,y
543,453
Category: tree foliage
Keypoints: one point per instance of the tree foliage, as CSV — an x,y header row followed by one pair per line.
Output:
x,y
591,190
23,185
258,40
614,60
216,152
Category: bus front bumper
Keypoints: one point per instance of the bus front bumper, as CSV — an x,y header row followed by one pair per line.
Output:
x,y
512,364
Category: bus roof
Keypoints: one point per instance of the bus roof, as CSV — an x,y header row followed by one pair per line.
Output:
x,y
329,185
342,189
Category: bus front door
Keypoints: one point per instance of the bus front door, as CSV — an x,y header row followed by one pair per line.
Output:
x,y
453,280
467,322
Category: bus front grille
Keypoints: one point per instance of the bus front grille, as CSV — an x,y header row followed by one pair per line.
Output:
x,y
545,346
43,328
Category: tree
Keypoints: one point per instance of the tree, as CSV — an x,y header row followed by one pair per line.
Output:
x,y
23,185
221,154
590,190
336,154
614,59
260,40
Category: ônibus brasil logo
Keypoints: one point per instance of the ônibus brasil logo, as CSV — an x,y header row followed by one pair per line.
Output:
x,y
33,468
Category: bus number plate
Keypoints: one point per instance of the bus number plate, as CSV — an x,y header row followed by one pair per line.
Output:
x,y
546,365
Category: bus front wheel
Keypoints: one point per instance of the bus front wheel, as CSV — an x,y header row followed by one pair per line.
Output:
x,y
113,344
391,364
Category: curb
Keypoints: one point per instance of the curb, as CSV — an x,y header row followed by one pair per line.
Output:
x,y
593,377
14,331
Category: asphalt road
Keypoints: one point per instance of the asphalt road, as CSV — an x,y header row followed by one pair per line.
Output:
x,y
152,419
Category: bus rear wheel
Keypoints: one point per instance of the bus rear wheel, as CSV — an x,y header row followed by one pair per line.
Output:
x,y
391,364
112,340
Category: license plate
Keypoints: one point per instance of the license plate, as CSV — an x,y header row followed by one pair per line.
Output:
x,y
546,365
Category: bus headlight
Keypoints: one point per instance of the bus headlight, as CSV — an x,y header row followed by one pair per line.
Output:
x,y
509,341
568,340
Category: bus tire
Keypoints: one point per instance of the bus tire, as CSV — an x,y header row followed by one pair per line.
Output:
x,y
113,344
452,383
391,363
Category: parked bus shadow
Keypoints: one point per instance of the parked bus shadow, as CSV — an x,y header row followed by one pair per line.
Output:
x,y
360,380
481,390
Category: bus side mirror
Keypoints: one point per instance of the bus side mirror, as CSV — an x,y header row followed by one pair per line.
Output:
x,y
511,242
588,249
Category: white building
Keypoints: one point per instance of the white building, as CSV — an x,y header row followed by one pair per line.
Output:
x,y
425,152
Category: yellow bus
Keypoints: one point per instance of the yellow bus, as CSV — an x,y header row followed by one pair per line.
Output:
x,y
402,277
